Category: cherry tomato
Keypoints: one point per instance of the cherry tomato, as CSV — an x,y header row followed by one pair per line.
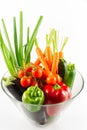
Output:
x,y
45,74
34,83
20,73
28,70
25,81
51,79
29,65
37,72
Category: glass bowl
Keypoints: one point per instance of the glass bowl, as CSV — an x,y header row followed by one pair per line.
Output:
x,y
43,114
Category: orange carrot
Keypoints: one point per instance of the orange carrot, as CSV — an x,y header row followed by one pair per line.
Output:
x,y
58,78
48,55
42,59
54,67
61,54
37,62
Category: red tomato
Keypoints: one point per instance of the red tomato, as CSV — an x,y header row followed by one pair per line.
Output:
x,y
51,79
20,73
25,81
34,83
37,72
45,74
29,69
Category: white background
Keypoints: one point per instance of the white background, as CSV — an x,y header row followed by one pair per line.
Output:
x,y
70,18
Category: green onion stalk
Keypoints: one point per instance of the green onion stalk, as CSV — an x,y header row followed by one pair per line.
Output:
x,y
20,55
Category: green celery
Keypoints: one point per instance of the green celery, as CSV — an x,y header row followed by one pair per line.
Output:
x,y
64,43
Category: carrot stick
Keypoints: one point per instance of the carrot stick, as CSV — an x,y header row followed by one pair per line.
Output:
x,y
37,62
48,55
41,58
61,54
54,67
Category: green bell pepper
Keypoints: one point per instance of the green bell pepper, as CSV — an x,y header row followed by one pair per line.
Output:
x,y
70,75
33,96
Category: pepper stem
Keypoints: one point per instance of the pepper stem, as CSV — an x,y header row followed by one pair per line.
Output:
x,y
56,86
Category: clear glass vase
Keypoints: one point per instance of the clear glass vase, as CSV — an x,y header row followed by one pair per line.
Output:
x,y
43,114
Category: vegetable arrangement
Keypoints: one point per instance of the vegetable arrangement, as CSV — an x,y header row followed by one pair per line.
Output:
x,y
49,79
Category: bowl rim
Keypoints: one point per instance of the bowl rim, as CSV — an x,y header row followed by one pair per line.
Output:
x,y
43,105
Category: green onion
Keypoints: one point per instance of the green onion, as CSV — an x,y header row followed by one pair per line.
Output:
x,y
9,43
25,46
31,42
6,56
16,43
28,34
22,53
21,37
